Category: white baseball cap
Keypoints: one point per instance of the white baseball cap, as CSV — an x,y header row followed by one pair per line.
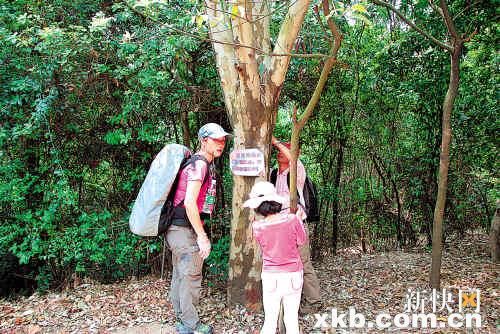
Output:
x,y
212,130
262,191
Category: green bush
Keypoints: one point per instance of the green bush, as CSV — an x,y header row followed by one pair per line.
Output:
x,y
218,260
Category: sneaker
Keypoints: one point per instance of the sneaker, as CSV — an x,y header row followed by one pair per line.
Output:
x,y
182,329
203,329
200,329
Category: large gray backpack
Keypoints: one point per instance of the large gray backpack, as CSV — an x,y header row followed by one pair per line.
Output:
x,y
160,180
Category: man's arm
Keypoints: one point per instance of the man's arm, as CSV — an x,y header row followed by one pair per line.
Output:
x,y
282,148
301,171
192,192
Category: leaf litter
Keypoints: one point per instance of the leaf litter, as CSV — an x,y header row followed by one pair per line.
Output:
x,y
372,283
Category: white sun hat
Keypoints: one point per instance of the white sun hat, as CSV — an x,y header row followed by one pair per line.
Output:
x,y
261,192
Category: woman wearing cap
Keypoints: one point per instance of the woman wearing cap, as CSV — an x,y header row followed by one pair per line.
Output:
x,y
278,235
186,236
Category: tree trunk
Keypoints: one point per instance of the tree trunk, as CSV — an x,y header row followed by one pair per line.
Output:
x,y
251,76
336,200
186,137
495,235
444,163
430,193
455,50
324,206
244,261
401,237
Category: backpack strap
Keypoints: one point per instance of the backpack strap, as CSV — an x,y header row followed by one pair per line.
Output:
x,y
169,212
193,160
274,176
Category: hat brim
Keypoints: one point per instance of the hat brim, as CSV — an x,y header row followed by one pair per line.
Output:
x,y
256,201
218,135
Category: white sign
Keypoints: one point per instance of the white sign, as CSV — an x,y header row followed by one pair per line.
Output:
x,y
247,162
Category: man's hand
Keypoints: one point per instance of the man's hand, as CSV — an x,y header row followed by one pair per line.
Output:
x,y
204,245
301,213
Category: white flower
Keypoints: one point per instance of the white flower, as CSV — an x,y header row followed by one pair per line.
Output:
x,y
100,22
127,37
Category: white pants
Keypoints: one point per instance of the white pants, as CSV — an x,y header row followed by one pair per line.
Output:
x,y
281,287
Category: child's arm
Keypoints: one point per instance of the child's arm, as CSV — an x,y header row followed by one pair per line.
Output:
x,y
300,231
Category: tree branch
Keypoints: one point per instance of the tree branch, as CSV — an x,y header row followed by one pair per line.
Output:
x,y
298,125
436,8
236,45
318,17
286,38
243,32
225,52
337,36
259,17
469,38
228,13
413,25
448,20
327,68
466,8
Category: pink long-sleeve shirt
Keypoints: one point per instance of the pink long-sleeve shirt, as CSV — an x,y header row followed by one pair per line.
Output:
x,y
279,241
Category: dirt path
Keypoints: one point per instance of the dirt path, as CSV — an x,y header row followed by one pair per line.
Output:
x,y
371,283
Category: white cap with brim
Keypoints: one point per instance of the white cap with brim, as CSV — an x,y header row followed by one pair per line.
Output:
x,y
212,130
262,192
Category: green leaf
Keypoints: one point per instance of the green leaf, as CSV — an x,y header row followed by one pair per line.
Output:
x,y
235,11
199,20
359,8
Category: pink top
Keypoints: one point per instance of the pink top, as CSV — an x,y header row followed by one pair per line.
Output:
x,y
278,240
192,173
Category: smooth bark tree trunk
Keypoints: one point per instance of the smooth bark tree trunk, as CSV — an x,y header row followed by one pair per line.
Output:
x,y
245,261
455,49
251,75
444,163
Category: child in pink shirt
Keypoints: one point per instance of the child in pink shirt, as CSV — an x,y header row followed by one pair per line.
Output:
x,y
279,235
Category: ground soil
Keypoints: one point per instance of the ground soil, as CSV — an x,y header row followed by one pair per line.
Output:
x,y
372,283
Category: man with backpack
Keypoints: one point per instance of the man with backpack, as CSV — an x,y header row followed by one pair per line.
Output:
x,y
186,237
280,178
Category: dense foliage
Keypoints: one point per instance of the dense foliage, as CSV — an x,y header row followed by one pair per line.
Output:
x,y
91,90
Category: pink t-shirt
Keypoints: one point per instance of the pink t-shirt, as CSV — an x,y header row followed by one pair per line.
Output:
x,y
192,172
279,241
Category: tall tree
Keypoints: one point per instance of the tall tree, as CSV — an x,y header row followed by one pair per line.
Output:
x,y
454,46
252,74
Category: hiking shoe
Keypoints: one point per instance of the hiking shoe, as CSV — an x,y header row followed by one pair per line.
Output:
x,y
182,329
200,329
203,329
